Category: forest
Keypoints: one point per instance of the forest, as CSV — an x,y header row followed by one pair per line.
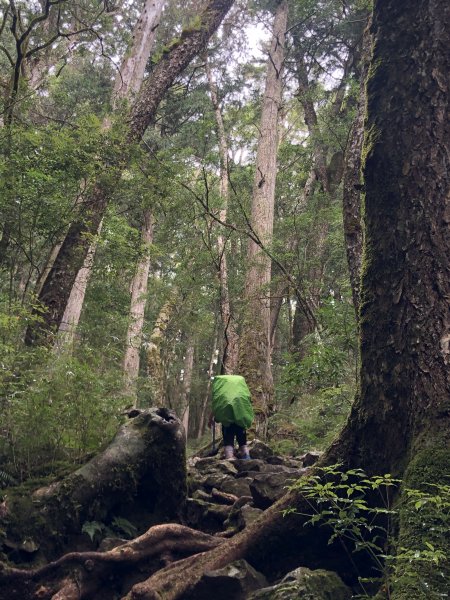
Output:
x,y
210,187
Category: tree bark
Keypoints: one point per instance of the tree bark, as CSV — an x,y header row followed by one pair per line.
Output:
x,y
72,314
155,367
254,359
56,289
139,287
132,70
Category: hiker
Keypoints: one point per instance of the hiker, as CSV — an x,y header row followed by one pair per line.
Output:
x,y
232,407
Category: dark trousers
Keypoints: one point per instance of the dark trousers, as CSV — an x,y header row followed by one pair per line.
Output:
x,y
230,432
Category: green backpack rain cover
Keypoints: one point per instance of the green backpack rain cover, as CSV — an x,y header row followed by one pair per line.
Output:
x,y
231,401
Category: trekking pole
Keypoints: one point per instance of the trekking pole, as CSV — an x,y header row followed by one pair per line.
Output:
x,y
213,436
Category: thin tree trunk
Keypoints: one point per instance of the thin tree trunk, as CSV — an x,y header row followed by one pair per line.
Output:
x,y
310,116
328,175
231,338
139,287
187,382
319,174
56,289
254,359
277,302
206,401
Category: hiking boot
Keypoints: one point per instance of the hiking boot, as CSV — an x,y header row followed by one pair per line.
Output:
x,y
244,453
229,452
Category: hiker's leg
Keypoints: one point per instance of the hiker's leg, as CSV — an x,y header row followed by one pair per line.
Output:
x,y
228,435
228,441
241,436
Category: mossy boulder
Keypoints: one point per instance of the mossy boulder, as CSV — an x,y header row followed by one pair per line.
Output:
x,y
305,584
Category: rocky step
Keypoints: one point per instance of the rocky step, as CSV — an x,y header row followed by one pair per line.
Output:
x,y
226,495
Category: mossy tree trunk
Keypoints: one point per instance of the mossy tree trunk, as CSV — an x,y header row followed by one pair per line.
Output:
x,y
139,286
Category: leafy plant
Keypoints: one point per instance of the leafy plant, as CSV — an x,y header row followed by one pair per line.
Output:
x,y
361,510
124,526
119,526
93,529
6,479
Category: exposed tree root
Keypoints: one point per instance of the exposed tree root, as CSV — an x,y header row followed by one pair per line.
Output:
x,y
260,544
88,570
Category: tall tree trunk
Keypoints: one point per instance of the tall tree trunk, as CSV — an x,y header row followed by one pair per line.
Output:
x,y
139,287
72,314
254,355
187,382
56,289
353,226
231,338
206,400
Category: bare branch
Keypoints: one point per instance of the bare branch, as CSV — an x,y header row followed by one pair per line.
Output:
x,y
8,55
